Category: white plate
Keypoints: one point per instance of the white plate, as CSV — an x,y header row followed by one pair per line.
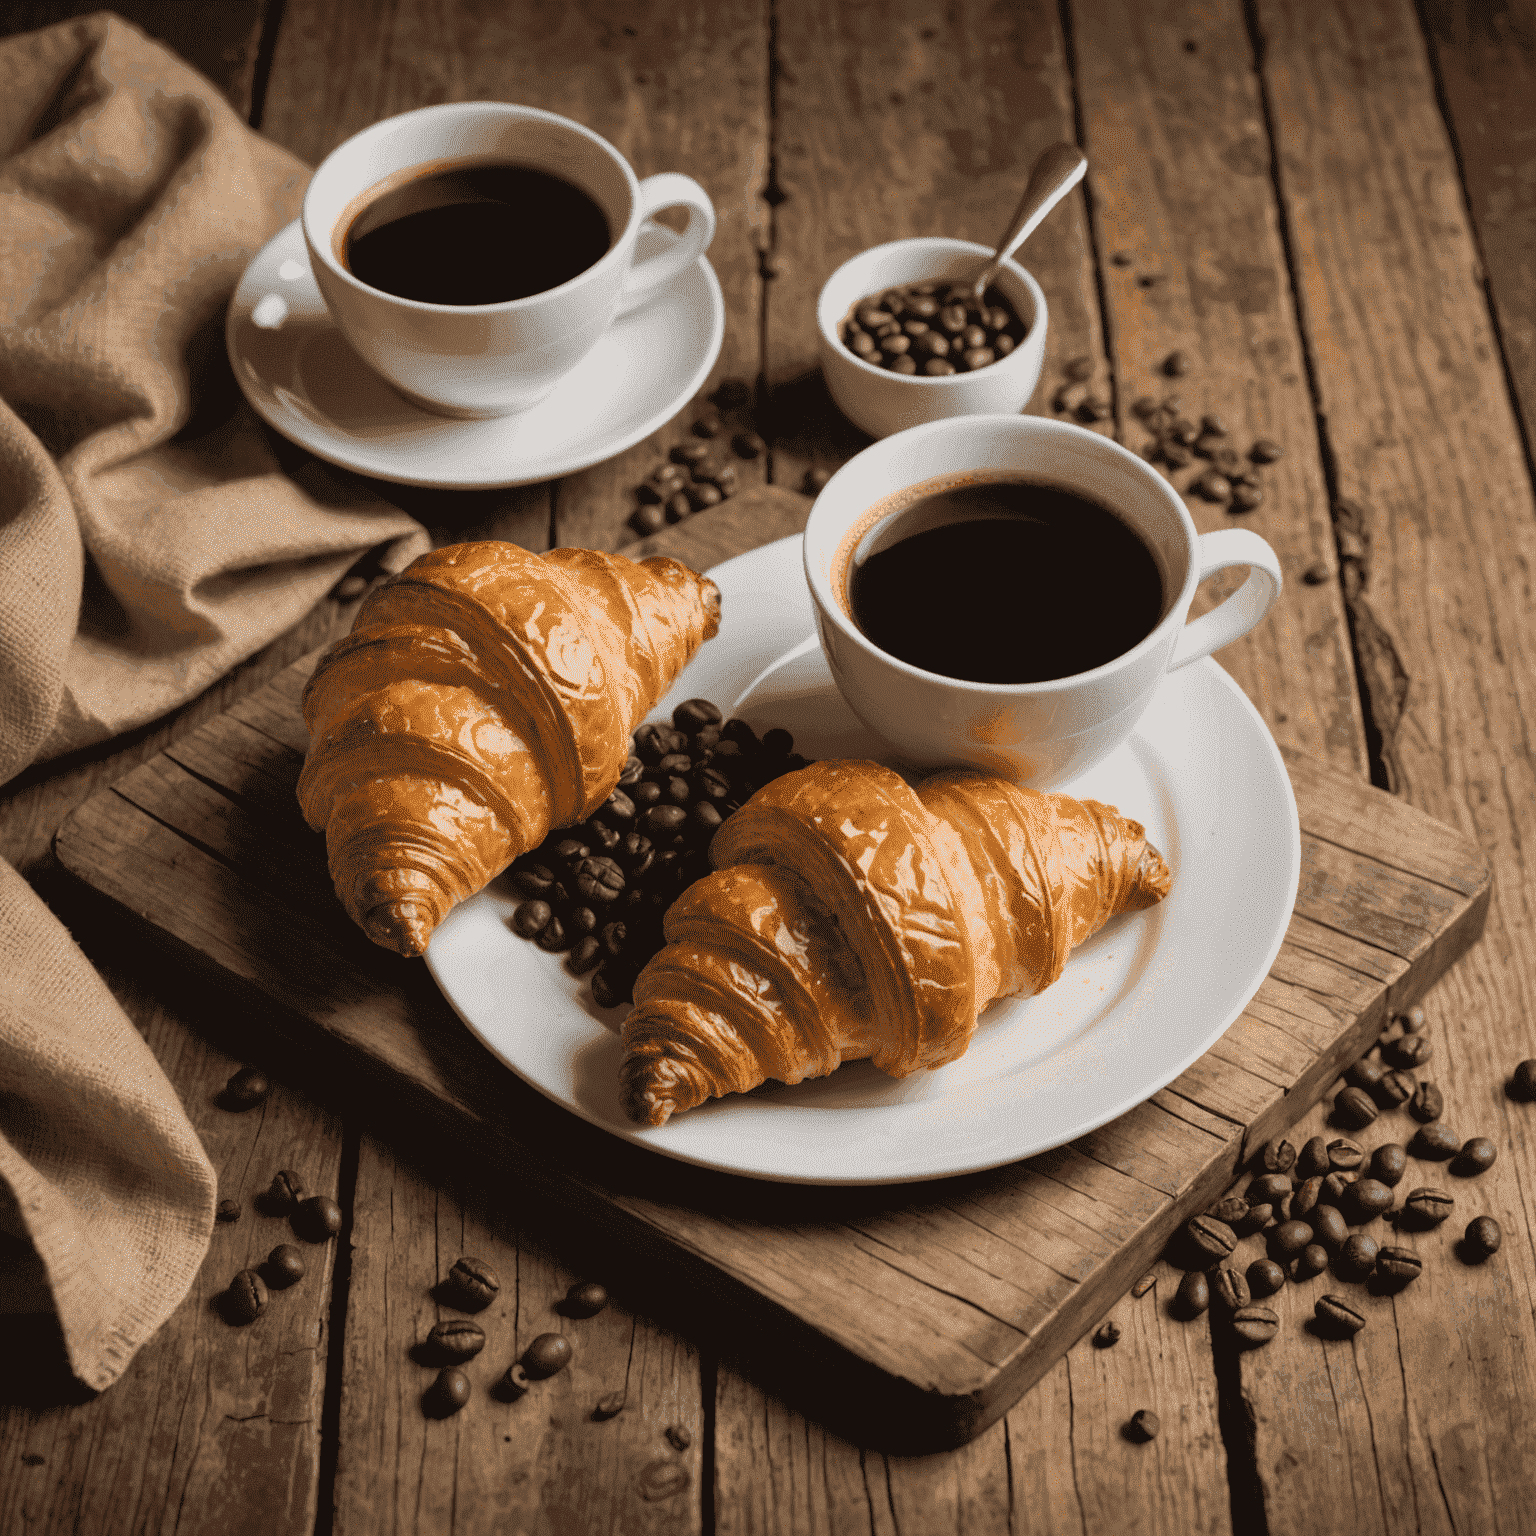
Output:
x,y
303,378
1136,1004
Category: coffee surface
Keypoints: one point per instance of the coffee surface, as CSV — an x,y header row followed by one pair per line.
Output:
x,y
476,234
1019,582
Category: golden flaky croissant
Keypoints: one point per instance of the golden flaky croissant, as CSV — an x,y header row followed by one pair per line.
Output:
x,y
851,915
484,696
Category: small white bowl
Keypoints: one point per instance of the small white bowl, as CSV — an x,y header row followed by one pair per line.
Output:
x,y
882,402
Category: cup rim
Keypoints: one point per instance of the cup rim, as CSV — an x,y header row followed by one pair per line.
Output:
x,y
937,243
831,611
321,249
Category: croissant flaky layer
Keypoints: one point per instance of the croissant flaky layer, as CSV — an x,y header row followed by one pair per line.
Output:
x,y
852,916
484,696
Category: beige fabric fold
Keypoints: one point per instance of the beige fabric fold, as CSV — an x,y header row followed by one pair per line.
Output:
x,y
152,535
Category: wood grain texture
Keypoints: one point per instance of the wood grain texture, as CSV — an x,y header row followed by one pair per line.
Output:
x,y
952,1298
1419,1425
673,87
910,119
1174,128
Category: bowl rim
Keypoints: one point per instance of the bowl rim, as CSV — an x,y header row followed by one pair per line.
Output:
x,y
938,244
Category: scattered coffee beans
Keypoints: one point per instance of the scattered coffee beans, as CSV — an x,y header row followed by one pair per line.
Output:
x,y
1230,1287
1143,1285
1428,1207
548,1353
1344,1156
1523,1083
1289,1238
609,1406
1368,1199
1482,1240
585,1299
317,1218
284,1267
1265,1277
1309,1263
473,1284
1107,1335
1365,1073
1316,574
945,333
1212,1239
1335,1188
1396,1087
1194,1294
1268,1189
1176,364
246,1298
1313,1158
1277,1156
1231,1210
285,1191
1253,1326
1354,1106
447,1394
1427,1103
1144,1424
1388,1163
228,1210
1258,1217
1410,1050
1329,1227
1476,1156
1357,1257
513,1384
1304,1201
1339,1315
246,1089
1413,1022
456,1340
1397,1266
1435,1141
1265,451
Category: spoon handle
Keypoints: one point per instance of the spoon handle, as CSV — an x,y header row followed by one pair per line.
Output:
x,y
1053,175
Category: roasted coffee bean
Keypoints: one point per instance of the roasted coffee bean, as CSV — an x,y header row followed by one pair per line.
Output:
x,y
645,794
664,821
1305,1200
1435,1142
1212,486
1482,1239
617,811
1268,1189
228,1210
1344,1156
1258,1217
1143,1285
693,715
1389,1162
669,476
982,357
689,453
1265,451
1194,1294
1365,1073
1246,498
584,955
602,838
1281,1210
1230,1287
553,939
1212,1239
707,425
815,481
1176,364
581,921
679,505
1339,1315
1523,1083
349,588
1428,1207
1207,444
704,740
513,1384
1144,1425
1277,1155
711,784
246,1298
534,880
447,1394
704,820
652,743
456,1340
531,918
675,790
1231,1210
586,1298
1308,1264
633,768
1398,1265
1079,369
609,1406
1329,1227
548,1353
1289,1238
317,1219
1107,1335
647,520
749,445
896,346
1253,1326
706,495
1476,1156
1355,1107
285,1191
1414,1021
1335,1188
938,367
1356,1257
1396,1087
606,989
1312,1159
1264,1277
474,1284
1410,1050
1316,573
284,1267
246,1089
1369,1198
600,879
612,937
1427,1103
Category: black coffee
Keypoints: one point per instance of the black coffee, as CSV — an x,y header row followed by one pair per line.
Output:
x,y
476,234
1006,582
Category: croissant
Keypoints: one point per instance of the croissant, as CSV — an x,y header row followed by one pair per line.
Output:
x,y
484,696
851,916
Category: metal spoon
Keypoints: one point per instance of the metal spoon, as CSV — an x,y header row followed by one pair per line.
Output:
x,y
1052,176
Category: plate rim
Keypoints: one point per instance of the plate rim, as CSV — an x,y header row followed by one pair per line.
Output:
x,y
647,1138
298,429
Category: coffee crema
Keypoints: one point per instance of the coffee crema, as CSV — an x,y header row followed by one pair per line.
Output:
x,y
475,234
1005,582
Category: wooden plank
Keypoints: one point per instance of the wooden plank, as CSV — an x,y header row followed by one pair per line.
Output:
x,y
1174,131
1427,454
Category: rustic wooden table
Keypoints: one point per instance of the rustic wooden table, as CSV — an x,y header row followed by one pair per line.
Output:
x,y
1328,206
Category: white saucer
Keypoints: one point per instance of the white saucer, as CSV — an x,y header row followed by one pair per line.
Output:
x,y
303,378
1137,1004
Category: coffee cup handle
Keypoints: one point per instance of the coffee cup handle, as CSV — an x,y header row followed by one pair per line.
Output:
x,y
647,278
1233,618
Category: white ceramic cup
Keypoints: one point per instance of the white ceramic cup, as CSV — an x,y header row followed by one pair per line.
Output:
x,y
1044,733
480,360
882,402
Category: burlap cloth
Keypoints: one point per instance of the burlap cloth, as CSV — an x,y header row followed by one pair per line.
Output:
x,y
148,542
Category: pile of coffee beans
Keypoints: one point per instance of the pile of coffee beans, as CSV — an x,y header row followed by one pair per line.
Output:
x,y
694,475
315,1218
598,892
932,329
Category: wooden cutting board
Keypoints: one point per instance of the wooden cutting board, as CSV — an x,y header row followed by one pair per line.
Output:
x,y
908,1317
